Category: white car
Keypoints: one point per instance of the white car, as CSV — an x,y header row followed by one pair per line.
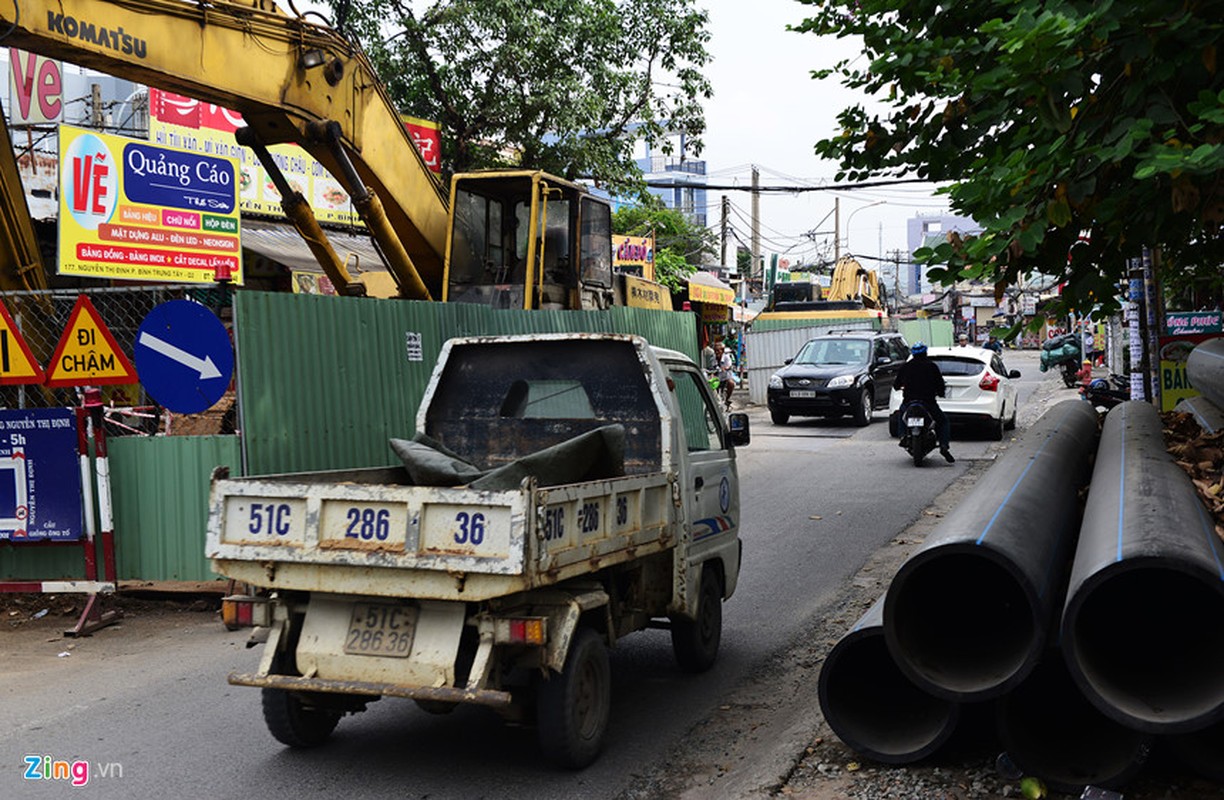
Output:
x,y
980,389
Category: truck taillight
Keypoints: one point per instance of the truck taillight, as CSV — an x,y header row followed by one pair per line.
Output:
x,y
521,630
989,383
245,611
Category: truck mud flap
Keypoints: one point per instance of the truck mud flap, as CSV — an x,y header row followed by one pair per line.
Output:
x,y
445,694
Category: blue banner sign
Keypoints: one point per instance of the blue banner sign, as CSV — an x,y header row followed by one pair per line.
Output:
x,y
40,478
177,179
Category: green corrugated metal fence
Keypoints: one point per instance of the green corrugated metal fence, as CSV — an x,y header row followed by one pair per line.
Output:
x,y
324,382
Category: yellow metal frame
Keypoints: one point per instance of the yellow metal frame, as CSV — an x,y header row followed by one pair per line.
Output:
x,y
247,56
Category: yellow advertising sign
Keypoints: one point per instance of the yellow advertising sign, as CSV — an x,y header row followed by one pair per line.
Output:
x,y
134,211
87,353
701,293
17,364
634,255
641,293
183,122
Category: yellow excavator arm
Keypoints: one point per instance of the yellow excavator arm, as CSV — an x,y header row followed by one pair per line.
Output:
x,y
292,80
21,267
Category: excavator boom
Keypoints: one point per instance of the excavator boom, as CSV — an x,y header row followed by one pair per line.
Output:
x,y
289,78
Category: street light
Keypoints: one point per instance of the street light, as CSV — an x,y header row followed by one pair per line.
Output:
x,y
851,217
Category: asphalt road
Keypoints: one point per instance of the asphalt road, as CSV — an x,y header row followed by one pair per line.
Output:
x,y
818,500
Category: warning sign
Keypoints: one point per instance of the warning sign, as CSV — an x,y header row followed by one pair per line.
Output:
x,y
17,364
87,354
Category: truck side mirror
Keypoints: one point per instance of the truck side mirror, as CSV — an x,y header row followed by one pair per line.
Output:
x,y
737,424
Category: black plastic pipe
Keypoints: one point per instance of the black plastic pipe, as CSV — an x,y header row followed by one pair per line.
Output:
x,y
1201,751
1050,730
967,615
872,706
1206,413
1205,369
1143,626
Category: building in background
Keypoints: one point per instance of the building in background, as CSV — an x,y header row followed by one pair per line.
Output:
x,y
929,230
676,179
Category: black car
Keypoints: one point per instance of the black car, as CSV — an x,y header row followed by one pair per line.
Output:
x,y
838,374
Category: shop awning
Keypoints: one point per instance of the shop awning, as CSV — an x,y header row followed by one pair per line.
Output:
x,y
280,242
705,288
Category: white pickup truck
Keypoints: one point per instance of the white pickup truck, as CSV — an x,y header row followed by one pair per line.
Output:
x,y
560,492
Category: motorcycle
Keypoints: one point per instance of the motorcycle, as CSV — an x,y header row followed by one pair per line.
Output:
x,y
716,386
917,431
1064,353
1107,393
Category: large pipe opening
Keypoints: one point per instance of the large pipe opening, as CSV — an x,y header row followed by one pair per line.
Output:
x,y
875,709
961,625
1051,730
1147,642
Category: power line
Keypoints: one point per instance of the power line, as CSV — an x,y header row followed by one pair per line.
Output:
x,y
794,189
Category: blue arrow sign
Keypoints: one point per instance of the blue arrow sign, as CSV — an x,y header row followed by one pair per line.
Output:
x,y
183,356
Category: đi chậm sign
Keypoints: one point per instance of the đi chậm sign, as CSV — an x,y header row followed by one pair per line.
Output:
x,y
135,211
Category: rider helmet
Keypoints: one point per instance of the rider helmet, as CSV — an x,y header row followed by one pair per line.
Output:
x,y
919,349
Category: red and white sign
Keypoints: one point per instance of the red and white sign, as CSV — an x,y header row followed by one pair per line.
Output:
x,y
428,139
36,89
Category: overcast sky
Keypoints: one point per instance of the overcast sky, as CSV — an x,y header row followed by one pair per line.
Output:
x,y
767,110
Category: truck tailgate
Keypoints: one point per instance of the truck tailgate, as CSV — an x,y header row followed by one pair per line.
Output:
x,y
457,542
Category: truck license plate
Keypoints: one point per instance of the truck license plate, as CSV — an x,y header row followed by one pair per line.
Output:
x,y
802,393
380,630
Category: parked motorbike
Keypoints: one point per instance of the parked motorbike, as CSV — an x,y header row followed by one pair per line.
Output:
x,y
917,431
1063,353
1107,393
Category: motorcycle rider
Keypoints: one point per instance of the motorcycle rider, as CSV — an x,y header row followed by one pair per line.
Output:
x,y
920,380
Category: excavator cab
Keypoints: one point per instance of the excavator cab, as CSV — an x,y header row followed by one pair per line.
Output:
x,y
526,239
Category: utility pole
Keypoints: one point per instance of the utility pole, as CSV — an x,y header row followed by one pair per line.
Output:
x,y
726,209
836,229
896,254
756,225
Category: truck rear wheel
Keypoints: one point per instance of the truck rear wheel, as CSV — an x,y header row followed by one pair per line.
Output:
x,y
573,706
695,642
292,722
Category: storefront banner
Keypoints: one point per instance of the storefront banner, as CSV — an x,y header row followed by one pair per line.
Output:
x,y
634,255
428,138
641,293
1182,322
182,122
134,211
705,288
1174,377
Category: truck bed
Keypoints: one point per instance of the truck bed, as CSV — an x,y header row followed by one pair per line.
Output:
x,y
363,532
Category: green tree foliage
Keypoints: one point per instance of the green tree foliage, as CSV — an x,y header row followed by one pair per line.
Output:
x,y
1054,120
680,244
558,85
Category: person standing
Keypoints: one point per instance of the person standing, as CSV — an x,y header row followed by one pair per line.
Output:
x,y
920,380
709,361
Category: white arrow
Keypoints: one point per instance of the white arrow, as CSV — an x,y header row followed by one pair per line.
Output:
x,y
205,366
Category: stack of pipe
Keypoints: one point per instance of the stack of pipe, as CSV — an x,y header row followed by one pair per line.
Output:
x,y
974,614
966,617
1143,626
